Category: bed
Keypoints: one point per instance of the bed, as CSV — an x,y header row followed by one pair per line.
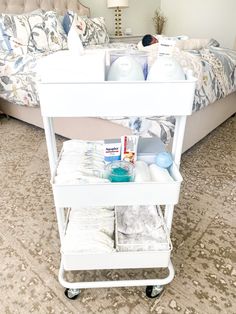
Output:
x,y
198,125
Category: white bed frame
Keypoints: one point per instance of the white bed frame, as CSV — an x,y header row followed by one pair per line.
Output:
x,y
198,125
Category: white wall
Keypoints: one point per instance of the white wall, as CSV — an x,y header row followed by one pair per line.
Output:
x,y
202,19
138,16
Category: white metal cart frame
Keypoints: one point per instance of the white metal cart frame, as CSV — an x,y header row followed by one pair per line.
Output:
x,y
59,99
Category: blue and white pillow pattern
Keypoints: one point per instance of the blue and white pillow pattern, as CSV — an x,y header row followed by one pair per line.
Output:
x,y
92,31
38,32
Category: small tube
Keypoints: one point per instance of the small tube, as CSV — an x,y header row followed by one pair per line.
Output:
x,y
129,146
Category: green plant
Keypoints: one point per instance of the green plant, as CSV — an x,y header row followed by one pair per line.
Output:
x,y
159,21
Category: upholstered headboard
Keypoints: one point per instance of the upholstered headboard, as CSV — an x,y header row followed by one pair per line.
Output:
x,y
22,6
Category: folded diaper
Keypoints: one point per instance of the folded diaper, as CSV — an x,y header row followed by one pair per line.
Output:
x,y
78,178
106,211
90,230
87,241
99,219
82,146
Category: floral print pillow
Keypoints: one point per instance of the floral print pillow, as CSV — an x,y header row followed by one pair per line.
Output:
x,y
32,32
92,31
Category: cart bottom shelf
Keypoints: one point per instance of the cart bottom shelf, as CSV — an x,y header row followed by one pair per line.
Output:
x,y
116,260
84,249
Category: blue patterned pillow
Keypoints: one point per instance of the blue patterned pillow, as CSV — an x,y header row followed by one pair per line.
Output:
x,y
67,21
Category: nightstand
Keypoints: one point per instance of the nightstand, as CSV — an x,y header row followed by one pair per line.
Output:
x,y
133,39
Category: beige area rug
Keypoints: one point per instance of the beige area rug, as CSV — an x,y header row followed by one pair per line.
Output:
x,y
203,234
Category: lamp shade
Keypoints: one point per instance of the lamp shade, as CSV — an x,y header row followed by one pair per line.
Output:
x,y
117,3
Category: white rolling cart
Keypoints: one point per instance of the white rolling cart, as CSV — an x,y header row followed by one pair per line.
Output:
x,y
60,99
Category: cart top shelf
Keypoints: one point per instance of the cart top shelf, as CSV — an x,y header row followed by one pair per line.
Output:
x,y
98,99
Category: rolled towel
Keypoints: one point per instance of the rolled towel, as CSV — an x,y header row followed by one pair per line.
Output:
x,y
159,174
142,173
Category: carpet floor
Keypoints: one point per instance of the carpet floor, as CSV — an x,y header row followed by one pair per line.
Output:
x,y
203,234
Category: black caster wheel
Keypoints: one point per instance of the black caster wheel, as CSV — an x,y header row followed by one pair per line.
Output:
x,y
154,291
72,294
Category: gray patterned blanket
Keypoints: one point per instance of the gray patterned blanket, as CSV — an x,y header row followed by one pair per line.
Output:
x,y
214,67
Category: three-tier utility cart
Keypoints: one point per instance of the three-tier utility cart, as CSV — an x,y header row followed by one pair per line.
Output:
x,y
82,99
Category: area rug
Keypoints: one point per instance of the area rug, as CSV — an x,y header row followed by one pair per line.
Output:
x,y
203,234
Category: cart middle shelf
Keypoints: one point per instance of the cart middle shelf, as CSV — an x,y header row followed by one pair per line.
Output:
x,y
124,193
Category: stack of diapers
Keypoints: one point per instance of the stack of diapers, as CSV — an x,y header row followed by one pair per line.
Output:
x,y
140,228
90,230
81,162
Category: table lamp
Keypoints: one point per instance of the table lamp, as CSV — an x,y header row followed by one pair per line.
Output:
x,y
117,4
